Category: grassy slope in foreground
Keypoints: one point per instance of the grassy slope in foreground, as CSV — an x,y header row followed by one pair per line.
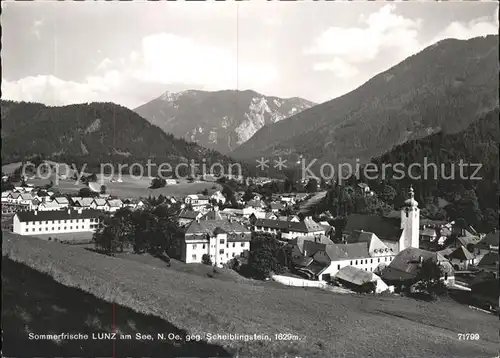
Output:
x,y
52,308
329,325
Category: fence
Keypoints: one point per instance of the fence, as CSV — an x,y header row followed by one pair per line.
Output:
x,y
297,282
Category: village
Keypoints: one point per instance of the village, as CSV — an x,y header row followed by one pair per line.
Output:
x,y
371,254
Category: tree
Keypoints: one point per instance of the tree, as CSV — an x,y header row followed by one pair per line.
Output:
x,y
206,260
85,192
157,183
388,194
248,195
429,278
312,185
204,192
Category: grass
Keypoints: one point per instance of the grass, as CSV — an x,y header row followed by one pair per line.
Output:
x,y
130,187
54,308
70,238
328,324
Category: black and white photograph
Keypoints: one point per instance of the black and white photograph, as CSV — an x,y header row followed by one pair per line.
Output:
x,y
250,178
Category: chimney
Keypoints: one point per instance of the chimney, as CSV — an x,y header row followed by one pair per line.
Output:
x,y
36,212
69,211
79,210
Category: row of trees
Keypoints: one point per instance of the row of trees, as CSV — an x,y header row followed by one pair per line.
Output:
x,y
153,230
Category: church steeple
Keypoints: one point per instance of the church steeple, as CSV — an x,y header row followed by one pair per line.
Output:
x,y
410,222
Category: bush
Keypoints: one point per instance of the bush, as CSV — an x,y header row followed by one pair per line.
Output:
x,y
205,259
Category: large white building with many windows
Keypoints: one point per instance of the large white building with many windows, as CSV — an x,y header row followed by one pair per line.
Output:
x,y
221,240
55,222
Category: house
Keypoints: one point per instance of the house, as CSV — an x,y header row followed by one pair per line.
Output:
x,y
113,205
62,201
427,234
134,204
84,203
323,261
213,214
188,216
288,229
230,212
365,189
276,207
55,222
221,240
358,280
489,262
6,196
403,270
218,197
489,243
49,206
99,204
256,204
461,258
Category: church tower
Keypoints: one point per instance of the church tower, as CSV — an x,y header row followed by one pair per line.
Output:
x,y
410,223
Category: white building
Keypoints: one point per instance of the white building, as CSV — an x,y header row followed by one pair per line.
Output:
x,y
221,240
49,206
55,222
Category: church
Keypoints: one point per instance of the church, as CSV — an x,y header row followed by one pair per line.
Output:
x,y
369,243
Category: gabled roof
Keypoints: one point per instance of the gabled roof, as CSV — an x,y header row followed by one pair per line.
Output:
x,y
461,253
428,232
282,225
26,196
406,264
212,215
208,227
189,214
50,204
384,228
61,200
312,226
115,203
337,252
492,239
25,216
100,201
355,275
83,202
489,259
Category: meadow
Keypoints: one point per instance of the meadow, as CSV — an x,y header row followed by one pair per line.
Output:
x,y
325,324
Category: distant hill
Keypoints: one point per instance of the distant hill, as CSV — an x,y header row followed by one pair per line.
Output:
x,y
220,120
478,143
94,133
444,88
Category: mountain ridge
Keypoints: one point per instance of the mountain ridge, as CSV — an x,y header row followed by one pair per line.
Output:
x,y
94,132
220,120
444,87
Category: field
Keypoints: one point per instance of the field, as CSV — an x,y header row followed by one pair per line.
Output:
x,y
325,324
54,308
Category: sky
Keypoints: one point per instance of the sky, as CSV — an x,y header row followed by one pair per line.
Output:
x,y
129,53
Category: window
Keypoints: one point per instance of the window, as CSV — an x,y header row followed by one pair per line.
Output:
x,y
242,244
58,228
234,244
65,228
39,229
194,257
222,241
46,229
233,254
338,267
228,245
52,229
371,261
379,259
221,251
71,227
203,246
350,263
356,262
194,246
33,229
27,230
